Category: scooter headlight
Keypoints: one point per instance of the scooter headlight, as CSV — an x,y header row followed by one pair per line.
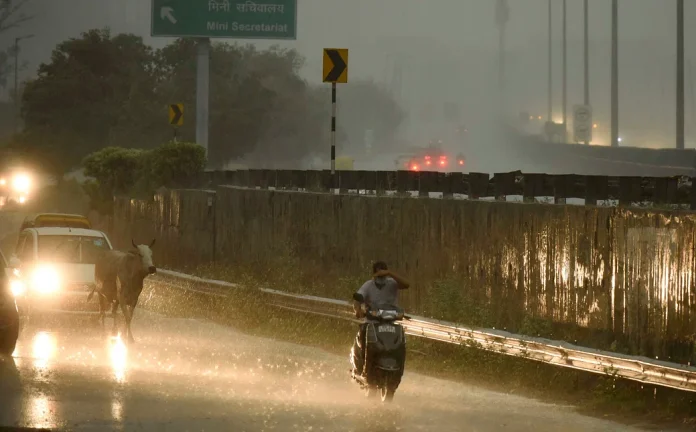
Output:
x,y
17,287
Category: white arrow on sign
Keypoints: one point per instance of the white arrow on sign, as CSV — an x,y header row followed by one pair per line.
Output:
x,y
166,13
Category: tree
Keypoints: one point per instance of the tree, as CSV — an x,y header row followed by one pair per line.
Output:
x,y
174,165
115,171
97,91
258,97
100,91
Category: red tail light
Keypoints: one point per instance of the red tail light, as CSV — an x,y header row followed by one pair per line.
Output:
x,y
414,167
427,162
461,162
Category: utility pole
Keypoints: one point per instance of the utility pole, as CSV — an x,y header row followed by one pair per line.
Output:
x,y
587,56
680,75
615,73
550,70
502,15
17,102
565,75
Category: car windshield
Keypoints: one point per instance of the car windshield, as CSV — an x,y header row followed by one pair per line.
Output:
x,y
71,249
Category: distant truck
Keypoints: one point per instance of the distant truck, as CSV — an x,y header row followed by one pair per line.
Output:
x,y
432,158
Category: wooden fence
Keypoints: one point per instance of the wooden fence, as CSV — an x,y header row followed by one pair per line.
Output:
x,y
626,190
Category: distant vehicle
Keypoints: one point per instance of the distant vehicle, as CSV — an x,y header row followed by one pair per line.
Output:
x,y
435,158
15,187
55,220
9,315
55,266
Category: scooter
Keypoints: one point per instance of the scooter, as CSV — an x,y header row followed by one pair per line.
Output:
x,y
385,351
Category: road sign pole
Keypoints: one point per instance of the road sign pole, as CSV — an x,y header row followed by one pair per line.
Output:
x,y
202,92
333,129
175,137
615,73
335,70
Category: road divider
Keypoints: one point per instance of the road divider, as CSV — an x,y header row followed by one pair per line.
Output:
x,y
558,353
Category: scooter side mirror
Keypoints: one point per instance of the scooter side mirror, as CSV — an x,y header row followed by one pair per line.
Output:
x,y
358,298
14,262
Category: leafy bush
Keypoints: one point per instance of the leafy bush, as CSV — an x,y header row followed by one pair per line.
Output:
x,y
122,171
175,164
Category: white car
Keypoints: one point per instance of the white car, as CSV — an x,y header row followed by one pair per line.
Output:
x,y
56,268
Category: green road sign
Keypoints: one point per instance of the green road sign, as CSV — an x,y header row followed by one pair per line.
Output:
x,y
243,19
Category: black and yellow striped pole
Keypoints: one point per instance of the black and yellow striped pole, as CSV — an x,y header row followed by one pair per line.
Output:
x,y
333,128
335,64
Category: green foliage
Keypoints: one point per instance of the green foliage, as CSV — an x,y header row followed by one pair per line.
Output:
x,y
115,171
123,171
175,164
115,168
447,300
101,90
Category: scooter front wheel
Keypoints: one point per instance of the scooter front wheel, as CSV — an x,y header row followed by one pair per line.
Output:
x,y
371,392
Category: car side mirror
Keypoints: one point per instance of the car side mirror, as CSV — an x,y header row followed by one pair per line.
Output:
x,y
358,298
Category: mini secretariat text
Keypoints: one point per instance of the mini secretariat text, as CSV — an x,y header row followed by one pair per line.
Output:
x,y
249,6
238,27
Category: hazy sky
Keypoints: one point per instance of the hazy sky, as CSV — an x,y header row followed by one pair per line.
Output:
x,y
448,49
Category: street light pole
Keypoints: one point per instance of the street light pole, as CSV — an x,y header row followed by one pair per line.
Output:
x,y
550,70
17,103
587,56
614,73
502,15
565,74
680,75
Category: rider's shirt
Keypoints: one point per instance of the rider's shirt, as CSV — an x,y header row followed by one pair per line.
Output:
x,y
376,297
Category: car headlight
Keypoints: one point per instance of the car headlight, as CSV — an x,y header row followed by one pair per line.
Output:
x,y
17,287
45,280
21,183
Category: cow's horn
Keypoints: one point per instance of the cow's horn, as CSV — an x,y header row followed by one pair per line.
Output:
x,y
153,242
133,243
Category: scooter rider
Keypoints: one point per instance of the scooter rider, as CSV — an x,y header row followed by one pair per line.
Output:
x,y
381,290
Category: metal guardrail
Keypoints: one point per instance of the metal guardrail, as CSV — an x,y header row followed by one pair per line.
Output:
x,y
559,353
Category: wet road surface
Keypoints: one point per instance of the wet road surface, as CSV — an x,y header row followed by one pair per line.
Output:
x,y
191,375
